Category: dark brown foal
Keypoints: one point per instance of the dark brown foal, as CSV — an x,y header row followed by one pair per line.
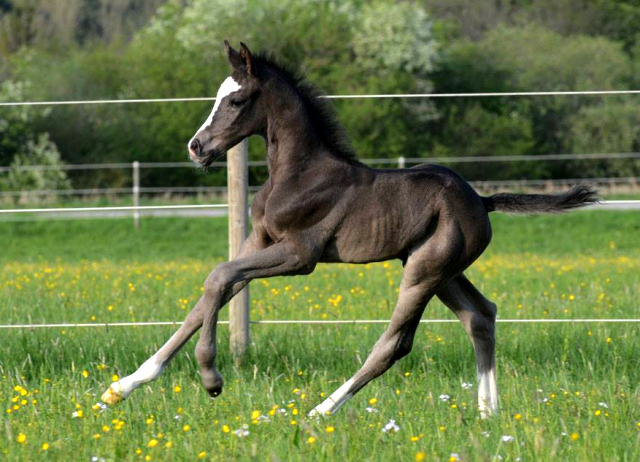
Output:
x,y
321,205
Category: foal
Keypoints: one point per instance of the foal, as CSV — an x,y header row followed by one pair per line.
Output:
x,y
321,205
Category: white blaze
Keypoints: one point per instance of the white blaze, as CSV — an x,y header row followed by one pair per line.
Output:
x,y
227,87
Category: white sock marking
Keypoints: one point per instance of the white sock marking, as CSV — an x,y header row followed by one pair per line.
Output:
x,y
335,401
487,393
148,371
227,87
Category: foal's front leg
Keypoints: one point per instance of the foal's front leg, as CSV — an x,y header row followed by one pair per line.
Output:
x,y
152,367
228,279
221,285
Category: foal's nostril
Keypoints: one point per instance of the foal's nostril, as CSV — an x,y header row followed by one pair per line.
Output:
x,y
195,146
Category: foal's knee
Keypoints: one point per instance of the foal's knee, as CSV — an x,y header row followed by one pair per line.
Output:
x,y
219,281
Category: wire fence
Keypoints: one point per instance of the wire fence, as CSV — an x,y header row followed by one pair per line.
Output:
x,y
366,96
315,322
632,182
374,161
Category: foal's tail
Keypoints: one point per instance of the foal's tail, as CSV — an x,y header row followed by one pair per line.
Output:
x,y
576,197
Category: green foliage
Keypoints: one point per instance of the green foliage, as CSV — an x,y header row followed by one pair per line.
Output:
x,y
611,127
41,152
21,145
536,59
526,58
350,47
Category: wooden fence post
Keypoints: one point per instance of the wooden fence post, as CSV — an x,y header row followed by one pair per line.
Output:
x,y
136,194
238,182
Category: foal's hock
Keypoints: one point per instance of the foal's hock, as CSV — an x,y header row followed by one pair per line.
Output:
x,y
320,204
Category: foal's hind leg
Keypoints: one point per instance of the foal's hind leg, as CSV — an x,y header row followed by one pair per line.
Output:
x,y
478,316
421,279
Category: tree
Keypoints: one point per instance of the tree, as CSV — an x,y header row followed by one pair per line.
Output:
x,y
21,146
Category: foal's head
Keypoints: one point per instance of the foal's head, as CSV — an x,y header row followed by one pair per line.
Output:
x,y
237,113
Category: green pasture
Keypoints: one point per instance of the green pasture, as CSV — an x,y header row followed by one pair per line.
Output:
x,y
568,391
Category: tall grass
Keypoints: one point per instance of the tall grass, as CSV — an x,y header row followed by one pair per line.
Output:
x,y
568,392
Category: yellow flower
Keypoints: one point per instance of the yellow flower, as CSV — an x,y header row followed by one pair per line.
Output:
x,y
115,377
21,438
517,416
186,428
330,429
96,436
575,436
415,438
311,440
419,457
202,455
255,414
598,412
147,457
226,429
168,444
85,374
152,444
177,389
45,446
293,422
373,401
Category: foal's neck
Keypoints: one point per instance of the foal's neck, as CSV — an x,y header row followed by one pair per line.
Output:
x,y
293,142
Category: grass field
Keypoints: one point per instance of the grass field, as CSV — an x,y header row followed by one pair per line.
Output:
x,y
568,391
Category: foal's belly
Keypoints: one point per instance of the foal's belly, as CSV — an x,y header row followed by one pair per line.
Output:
x,y
364,239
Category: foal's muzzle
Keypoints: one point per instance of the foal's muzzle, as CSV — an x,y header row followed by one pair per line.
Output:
x,y
195,148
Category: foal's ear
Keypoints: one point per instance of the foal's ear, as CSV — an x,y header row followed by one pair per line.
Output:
x,y
248,61
234,57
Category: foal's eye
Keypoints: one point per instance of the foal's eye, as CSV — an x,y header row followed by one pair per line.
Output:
x,y
237,102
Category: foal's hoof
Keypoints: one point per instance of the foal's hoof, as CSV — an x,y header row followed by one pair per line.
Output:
x,y
212,382
113,395
214,392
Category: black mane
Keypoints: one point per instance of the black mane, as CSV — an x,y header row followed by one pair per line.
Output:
x,y
320,110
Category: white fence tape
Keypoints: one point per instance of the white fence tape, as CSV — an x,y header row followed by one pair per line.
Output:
x,y
603,204
318,322
113,209
371,96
